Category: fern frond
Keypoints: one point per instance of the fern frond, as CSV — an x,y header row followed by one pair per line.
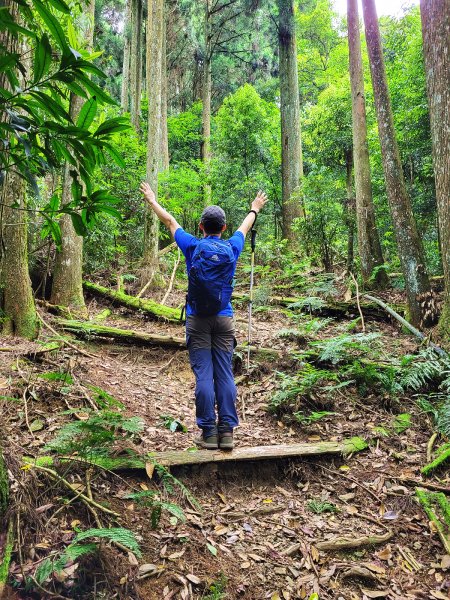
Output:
x,y
114,534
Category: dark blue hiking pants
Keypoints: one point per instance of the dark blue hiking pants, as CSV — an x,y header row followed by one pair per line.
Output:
x,y
210,341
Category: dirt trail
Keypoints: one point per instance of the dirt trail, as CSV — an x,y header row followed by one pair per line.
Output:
x,y
255,534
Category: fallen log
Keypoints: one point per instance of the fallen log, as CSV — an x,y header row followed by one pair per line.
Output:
x,y
337,309
437,509
149,307
88,329
172,458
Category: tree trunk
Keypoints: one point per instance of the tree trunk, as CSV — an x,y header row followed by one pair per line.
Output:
x,y
408,241
206,98
164,151
18,303
291,145
368,241
124,99
350,213
136,62
67,287
154,73
436,45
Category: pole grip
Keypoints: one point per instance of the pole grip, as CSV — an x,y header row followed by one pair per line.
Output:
x,y
253,239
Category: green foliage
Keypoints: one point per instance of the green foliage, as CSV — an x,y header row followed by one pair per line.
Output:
x,y
313,417
57,376
299,388
173,424
96,435
76,549
319,506
39,134
343,347
218,589
149,499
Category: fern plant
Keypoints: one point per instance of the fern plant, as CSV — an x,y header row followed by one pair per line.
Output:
x,y
76,549
336,349
150,499
95,435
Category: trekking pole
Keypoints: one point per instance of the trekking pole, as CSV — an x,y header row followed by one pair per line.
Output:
x,y
250,304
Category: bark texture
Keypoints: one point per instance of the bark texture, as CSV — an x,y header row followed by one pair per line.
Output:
x,y
67,288
368,241
291,145
18,303
164,133
436,46
409,243
154,77
206,99
124,98
136,63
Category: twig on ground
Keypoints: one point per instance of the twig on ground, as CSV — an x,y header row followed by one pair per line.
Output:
x,y
430,446
363,326
167,364
69,486
352,479
172,278
63,339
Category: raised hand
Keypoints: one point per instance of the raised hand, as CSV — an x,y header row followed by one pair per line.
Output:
x,y
260,200
149,194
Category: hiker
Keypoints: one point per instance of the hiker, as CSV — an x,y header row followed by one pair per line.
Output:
x,y
211,264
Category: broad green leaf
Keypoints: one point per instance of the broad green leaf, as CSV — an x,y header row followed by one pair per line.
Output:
x,y
61,6
42,58
53,25
72,34
78,224
87,113
113,126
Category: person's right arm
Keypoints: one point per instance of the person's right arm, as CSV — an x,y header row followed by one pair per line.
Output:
x,y
165,217
257,204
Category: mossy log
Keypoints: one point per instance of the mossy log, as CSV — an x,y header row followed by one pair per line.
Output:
x,y
171,458
149,307
88,329
442,455
339,310
437,509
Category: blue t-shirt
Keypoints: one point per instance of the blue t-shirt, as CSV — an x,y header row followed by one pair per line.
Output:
x,y
187,244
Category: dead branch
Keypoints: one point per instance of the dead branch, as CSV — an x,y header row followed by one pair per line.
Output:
x,y
344,543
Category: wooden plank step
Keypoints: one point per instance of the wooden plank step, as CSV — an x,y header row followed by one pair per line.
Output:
x,y
171,458
196,457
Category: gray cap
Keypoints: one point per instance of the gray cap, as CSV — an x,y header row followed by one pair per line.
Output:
x,y
213,218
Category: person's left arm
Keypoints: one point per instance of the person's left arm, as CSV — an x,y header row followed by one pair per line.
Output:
x,y
163,215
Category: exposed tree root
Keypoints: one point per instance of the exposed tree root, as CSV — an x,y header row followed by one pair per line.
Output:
x,y
344,543
437,508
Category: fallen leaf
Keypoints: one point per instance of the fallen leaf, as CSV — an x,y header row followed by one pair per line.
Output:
x,y
36,425
212,549
245,565
149,469
390,515
193,579
375,593
256,557
445,562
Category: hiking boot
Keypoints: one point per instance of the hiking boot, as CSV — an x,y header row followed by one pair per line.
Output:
x,y
226,441
211,442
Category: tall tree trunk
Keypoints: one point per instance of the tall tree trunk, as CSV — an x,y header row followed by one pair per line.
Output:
x,y
291,144
350,212
124,98
368,241
67,287
164,133
136,62
154,76
206,98
18,303
408,240
436,46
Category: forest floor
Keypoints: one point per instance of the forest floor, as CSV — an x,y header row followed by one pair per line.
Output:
x,y
252,534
